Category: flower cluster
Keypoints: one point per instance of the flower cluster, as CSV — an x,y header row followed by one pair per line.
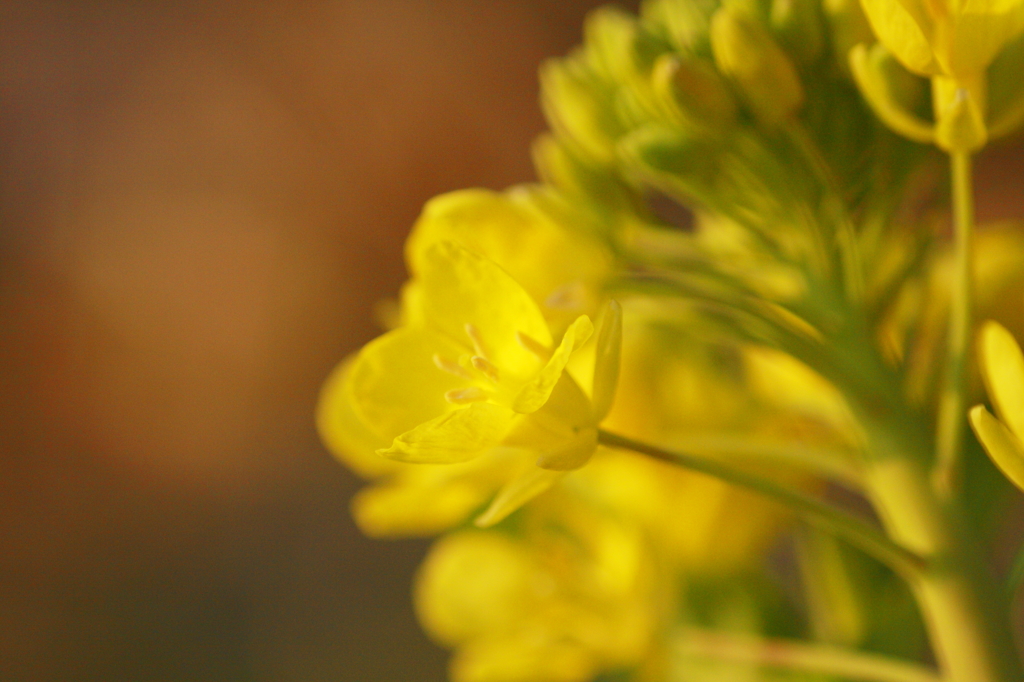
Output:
x,y
732,266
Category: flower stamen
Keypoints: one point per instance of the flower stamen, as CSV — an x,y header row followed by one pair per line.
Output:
x,y
478,342
572,296
451,367
463,396
487,367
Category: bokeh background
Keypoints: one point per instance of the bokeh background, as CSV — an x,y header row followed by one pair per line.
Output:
x,y
200,203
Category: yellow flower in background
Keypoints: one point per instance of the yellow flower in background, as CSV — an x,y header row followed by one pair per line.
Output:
x,y
479,375
952,42
700,398
571,594
1002,367
953,38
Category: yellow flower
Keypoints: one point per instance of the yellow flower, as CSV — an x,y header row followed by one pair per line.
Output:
x,y
1002,367
571,594
955,38
952,42
478,375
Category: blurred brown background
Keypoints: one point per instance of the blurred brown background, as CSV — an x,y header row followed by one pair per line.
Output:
x,y
199,205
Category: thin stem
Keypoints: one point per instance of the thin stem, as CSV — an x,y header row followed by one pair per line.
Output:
x,y
851,529
801,656
952,413
834,464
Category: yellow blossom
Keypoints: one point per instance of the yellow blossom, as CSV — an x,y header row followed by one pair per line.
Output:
x,y
952,42
559,267
405,499
568,595
954,38
479,376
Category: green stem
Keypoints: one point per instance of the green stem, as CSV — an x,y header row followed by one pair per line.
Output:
x,y
801,656
955,596
854,531
952,411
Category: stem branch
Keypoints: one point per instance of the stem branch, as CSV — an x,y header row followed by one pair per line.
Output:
x,y
952,413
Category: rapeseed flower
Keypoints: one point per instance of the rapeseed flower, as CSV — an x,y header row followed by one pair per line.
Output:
x,y
572,592
477,375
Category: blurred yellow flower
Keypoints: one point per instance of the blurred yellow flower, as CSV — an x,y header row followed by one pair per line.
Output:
x,y
560,268
952,42
955,38
571,594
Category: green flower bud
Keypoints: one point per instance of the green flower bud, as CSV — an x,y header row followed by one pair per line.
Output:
x,y
745,52
683,23
610,35
677,163
580,106
694,91
848,27
798,24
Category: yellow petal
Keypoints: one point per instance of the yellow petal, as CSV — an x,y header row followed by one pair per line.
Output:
x,y
905,34
341,430
1002,367
1002,447
606,360
464,294
456,436
745,51
522,656
394,384
517,492
976,33
473,583
536,393
510,229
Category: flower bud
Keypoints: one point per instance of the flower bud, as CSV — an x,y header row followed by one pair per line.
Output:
x,y
610,35
848,27
580,106
745,52
694,90
959,113
798,24
684,23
